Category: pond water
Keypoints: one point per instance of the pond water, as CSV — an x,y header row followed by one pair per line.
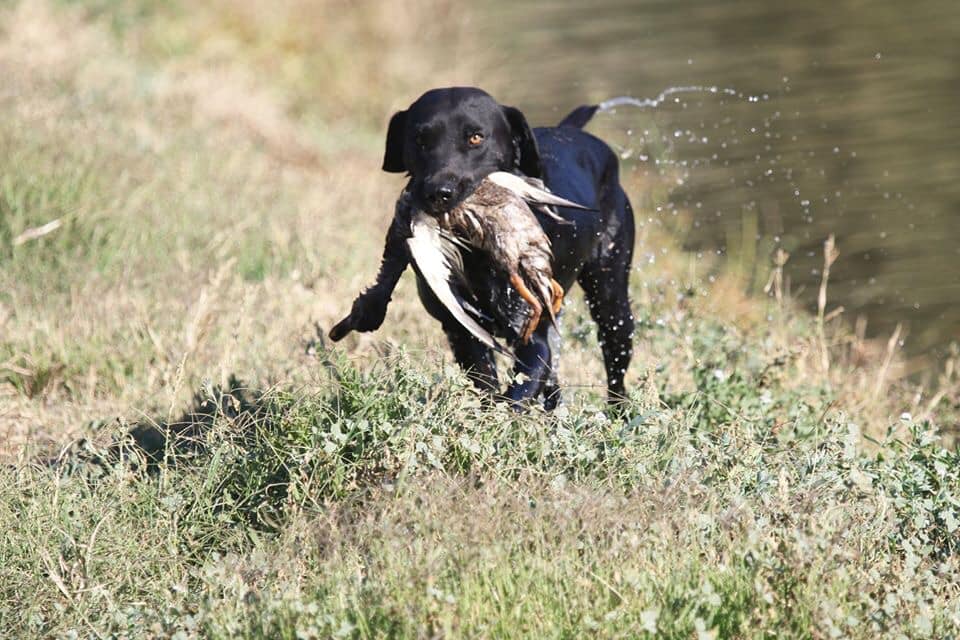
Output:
x,y
844,119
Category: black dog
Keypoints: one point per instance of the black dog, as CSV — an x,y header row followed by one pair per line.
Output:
x,y
447,142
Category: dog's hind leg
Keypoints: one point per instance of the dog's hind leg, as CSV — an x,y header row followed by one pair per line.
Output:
x,y
551,386
605,282
474,358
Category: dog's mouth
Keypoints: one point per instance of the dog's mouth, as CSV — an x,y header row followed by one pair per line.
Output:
x,y
439,197
439,206
438,209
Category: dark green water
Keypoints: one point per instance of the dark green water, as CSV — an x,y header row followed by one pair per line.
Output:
x,y
846,121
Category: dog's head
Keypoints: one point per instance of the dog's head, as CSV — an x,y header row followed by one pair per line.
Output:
x,y
450,139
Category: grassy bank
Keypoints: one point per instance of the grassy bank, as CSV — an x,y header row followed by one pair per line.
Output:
x,y
388,501
190,197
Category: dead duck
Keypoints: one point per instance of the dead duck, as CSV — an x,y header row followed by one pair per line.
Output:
x,y
496,219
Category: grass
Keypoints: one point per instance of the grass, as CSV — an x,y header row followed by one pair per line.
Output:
x,y
214,173
389,501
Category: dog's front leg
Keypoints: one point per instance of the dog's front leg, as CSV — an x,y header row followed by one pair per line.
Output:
x,y
370,307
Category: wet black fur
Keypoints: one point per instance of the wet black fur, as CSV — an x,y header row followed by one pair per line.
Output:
x,y
428,141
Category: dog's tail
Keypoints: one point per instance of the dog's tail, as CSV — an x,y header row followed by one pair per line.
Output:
x,y
579,117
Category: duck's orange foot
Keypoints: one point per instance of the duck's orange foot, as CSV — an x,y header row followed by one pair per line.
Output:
x,y
534,320
557,302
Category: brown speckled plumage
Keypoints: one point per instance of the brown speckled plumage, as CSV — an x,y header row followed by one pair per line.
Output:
x,y
498,221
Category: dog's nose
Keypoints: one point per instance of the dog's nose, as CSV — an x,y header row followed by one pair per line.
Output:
x,y
441,194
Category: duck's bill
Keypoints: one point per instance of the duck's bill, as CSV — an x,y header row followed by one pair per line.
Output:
x,y
532,191
435,257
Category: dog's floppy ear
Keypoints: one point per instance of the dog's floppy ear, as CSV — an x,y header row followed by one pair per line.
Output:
x,y
527,156
396,132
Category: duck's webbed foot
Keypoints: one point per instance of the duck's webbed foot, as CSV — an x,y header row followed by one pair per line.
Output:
x,y
534,320
557,303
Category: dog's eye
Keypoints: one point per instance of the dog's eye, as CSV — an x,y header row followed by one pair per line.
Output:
x,y
420,141
475,139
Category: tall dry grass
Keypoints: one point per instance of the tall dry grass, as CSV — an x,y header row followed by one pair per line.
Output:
x,y
198,162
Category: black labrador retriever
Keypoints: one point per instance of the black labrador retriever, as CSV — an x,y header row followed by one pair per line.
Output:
x,y
447,142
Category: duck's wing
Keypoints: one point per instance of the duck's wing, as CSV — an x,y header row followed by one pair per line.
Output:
x,y
438,259
535,192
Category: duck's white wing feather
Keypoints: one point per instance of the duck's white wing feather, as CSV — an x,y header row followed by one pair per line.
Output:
x,y
531,192
434,254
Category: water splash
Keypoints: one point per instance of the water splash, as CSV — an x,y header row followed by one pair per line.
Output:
x,y
649,103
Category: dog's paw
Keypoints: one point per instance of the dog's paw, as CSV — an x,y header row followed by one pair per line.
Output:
x,y
341,329
367,314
